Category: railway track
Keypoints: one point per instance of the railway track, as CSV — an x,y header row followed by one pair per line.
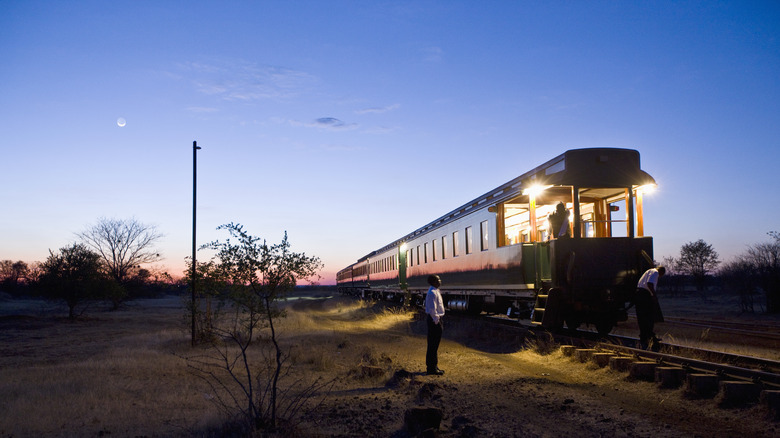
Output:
x,y
764,331
764,372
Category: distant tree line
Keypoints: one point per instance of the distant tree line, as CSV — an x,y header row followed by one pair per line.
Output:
x,y
104,265
751,275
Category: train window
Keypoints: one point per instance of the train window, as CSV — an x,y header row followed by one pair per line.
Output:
x,y
443,247
455,244
514,223
603,212
425,252
433,250
483,234
469,238
419,261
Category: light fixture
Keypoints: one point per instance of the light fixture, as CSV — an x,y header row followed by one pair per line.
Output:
x,y
647,189
536,189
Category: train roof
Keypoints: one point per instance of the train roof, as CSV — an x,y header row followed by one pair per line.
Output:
x,y
577,167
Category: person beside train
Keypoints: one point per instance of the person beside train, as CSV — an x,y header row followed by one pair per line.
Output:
x,y
648,311
559,222
434,310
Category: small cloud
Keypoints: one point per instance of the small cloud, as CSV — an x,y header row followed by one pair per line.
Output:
x,y
379,110
329,123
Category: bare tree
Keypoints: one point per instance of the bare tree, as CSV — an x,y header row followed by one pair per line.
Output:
x,y
740,275
123,244
765,259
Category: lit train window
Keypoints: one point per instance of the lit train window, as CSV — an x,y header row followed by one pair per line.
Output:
x,y
469,236
425,252
483,233
443,247
433,250
455,244
419,261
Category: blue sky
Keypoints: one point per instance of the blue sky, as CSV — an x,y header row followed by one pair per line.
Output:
x,y
351,123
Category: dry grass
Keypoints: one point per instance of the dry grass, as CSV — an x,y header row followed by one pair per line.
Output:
x,y
125,373
140,388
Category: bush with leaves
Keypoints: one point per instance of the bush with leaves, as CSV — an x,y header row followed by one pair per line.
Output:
x,y
248,277
74,274
698,259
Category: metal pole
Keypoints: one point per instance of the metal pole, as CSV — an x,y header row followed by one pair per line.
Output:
x,y
194,203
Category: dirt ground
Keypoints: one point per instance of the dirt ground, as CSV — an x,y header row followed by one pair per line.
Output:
x,y
495,383
495,386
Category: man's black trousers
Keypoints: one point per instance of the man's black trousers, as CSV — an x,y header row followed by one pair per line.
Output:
x,y
434,338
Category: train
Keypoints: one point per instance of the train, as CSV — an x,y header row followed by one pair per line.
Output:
x,y
499,253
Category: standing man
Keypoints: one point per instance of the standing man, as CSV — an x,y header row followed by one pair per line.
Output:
x,y
434,310
647,308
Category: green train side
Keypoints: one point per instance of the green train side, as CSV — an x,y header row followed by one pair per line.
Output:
x,y
496,253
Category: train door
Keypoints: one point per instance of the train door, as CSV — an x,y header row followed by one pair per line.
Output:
x,y
402,257
403,254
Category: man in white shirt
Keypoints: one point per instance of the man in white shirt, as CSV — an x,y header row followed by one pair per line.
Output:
x,y
434,310
647,309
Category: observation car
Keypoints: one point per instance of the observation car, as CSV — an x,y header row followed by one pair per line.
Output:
x,y
496,253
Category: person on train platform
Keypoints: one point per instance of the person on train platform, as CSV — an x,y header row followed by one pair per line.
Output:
x,y
648,311
559,222
434,311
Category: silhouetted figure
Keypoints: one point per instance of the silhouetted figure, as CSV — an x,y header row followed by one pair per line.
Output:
x,y
647,309
434,311
559,222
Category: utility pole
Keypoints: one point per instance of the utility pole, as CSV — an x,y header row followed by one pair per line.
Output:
x,y
193,275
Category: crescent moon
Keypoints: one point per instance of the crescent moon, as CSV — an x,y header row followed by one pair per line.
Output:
x,y
121,122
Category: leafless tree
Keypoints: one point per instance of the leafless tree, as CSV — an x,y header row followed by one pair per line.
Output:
x,y
123,244
765,258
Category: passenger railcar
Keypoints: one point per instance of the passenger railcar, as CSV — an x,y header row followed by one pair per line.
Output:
x,y
497,253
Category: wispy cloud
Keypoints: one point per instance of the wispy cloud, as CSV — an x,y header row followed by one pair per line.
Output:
x,y
245,81
202,110
432,54
379,110
341,148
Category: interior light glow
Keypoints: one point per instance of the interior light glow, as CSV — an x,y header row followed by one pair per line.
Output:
x,y
403,247
535,190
